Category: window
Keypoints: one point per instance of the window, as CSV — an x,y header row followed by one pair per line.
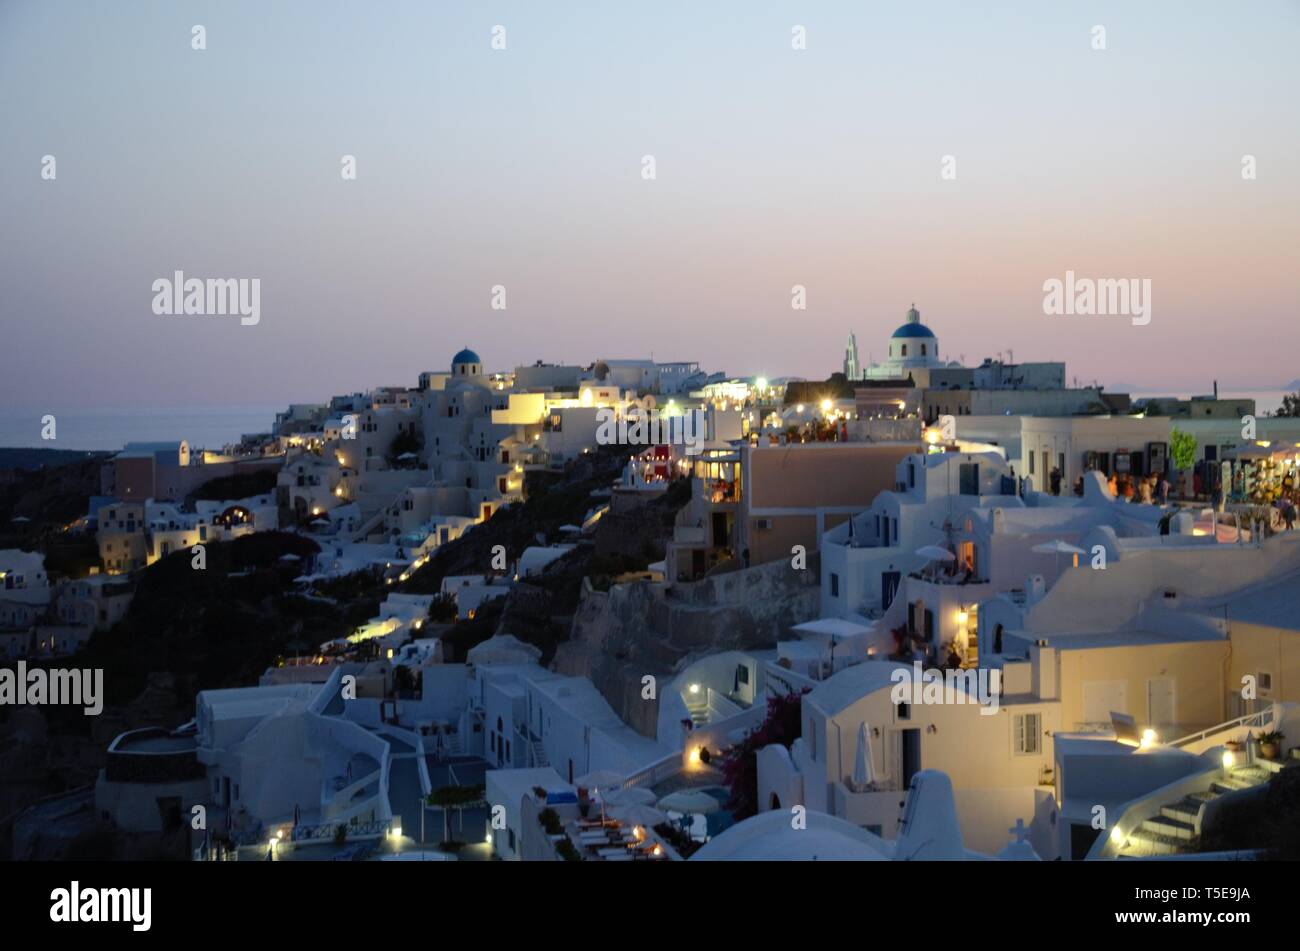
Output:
x,y
1265,682
835,585
1028,727
904,349
922,349
1031,462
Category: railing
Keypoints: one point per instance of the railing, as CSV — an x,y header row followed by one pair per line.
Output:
x,y
722,707
1259,719
655,772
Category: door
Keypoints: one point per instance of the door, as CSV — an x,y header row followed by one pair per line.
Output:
x,y
911,753
721,537
1160,702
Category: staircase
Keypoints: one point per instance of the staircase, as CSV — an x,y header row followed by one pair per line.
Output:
x,y
537,754
697,705
1174,828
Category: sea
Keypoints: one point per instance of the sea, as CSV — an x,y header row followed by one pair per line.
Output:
x,y
110,429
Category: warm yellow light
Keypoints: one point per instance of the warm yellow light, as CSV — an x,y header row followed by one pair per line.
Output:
x,y
799,408
695,688
962,616
826,406
1228,759
761,382
1116,836
1149,737
694,758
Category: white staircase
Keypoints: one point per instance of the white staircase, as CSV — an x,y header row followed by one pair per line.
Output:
x,y
1174,828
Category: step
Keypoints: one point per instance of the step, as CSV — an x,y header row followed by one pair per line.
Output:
x,y
1171,828
1142,842
1252,774
1185,810
1223,786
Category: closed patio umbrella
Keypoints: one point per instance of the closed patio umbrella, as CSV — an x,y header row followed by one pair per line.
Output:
x,y
864,773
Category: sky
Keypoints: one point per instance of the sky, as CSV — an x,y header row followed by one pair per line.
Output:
x,y
523,168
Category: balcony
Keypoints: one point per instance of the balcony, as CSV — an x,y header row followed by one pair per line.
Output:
x,y
153,755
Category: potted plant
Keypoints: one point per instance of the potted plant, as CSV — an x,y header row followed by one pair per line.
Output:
x,y
1270,744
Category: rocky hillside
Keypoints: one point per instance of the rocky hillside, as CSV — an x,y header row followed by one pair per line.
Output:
x,y
640,628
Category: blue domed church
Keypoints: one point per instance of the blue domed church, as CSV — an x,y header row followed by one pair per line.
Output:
x,y
913,346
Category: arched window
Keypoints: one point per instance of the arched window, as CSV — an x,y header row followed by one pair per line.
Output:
x,y
922,349
904,349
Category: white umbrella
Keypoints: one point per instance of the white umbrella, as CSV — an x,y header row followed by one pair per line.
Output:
x,y
863,771
629,796
639,814
599,779
1057,547
935,553
690,802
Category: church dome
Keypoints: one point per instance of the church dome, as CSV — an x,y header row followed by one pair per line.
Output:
x,y
913,327
465,356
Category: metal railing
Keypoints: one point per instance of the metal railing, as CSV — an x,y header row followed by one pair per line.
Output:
x,y
1260,719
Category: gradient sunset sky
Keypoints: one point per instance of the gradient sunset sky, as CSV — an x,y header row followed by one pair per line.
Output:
x,y
522,168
